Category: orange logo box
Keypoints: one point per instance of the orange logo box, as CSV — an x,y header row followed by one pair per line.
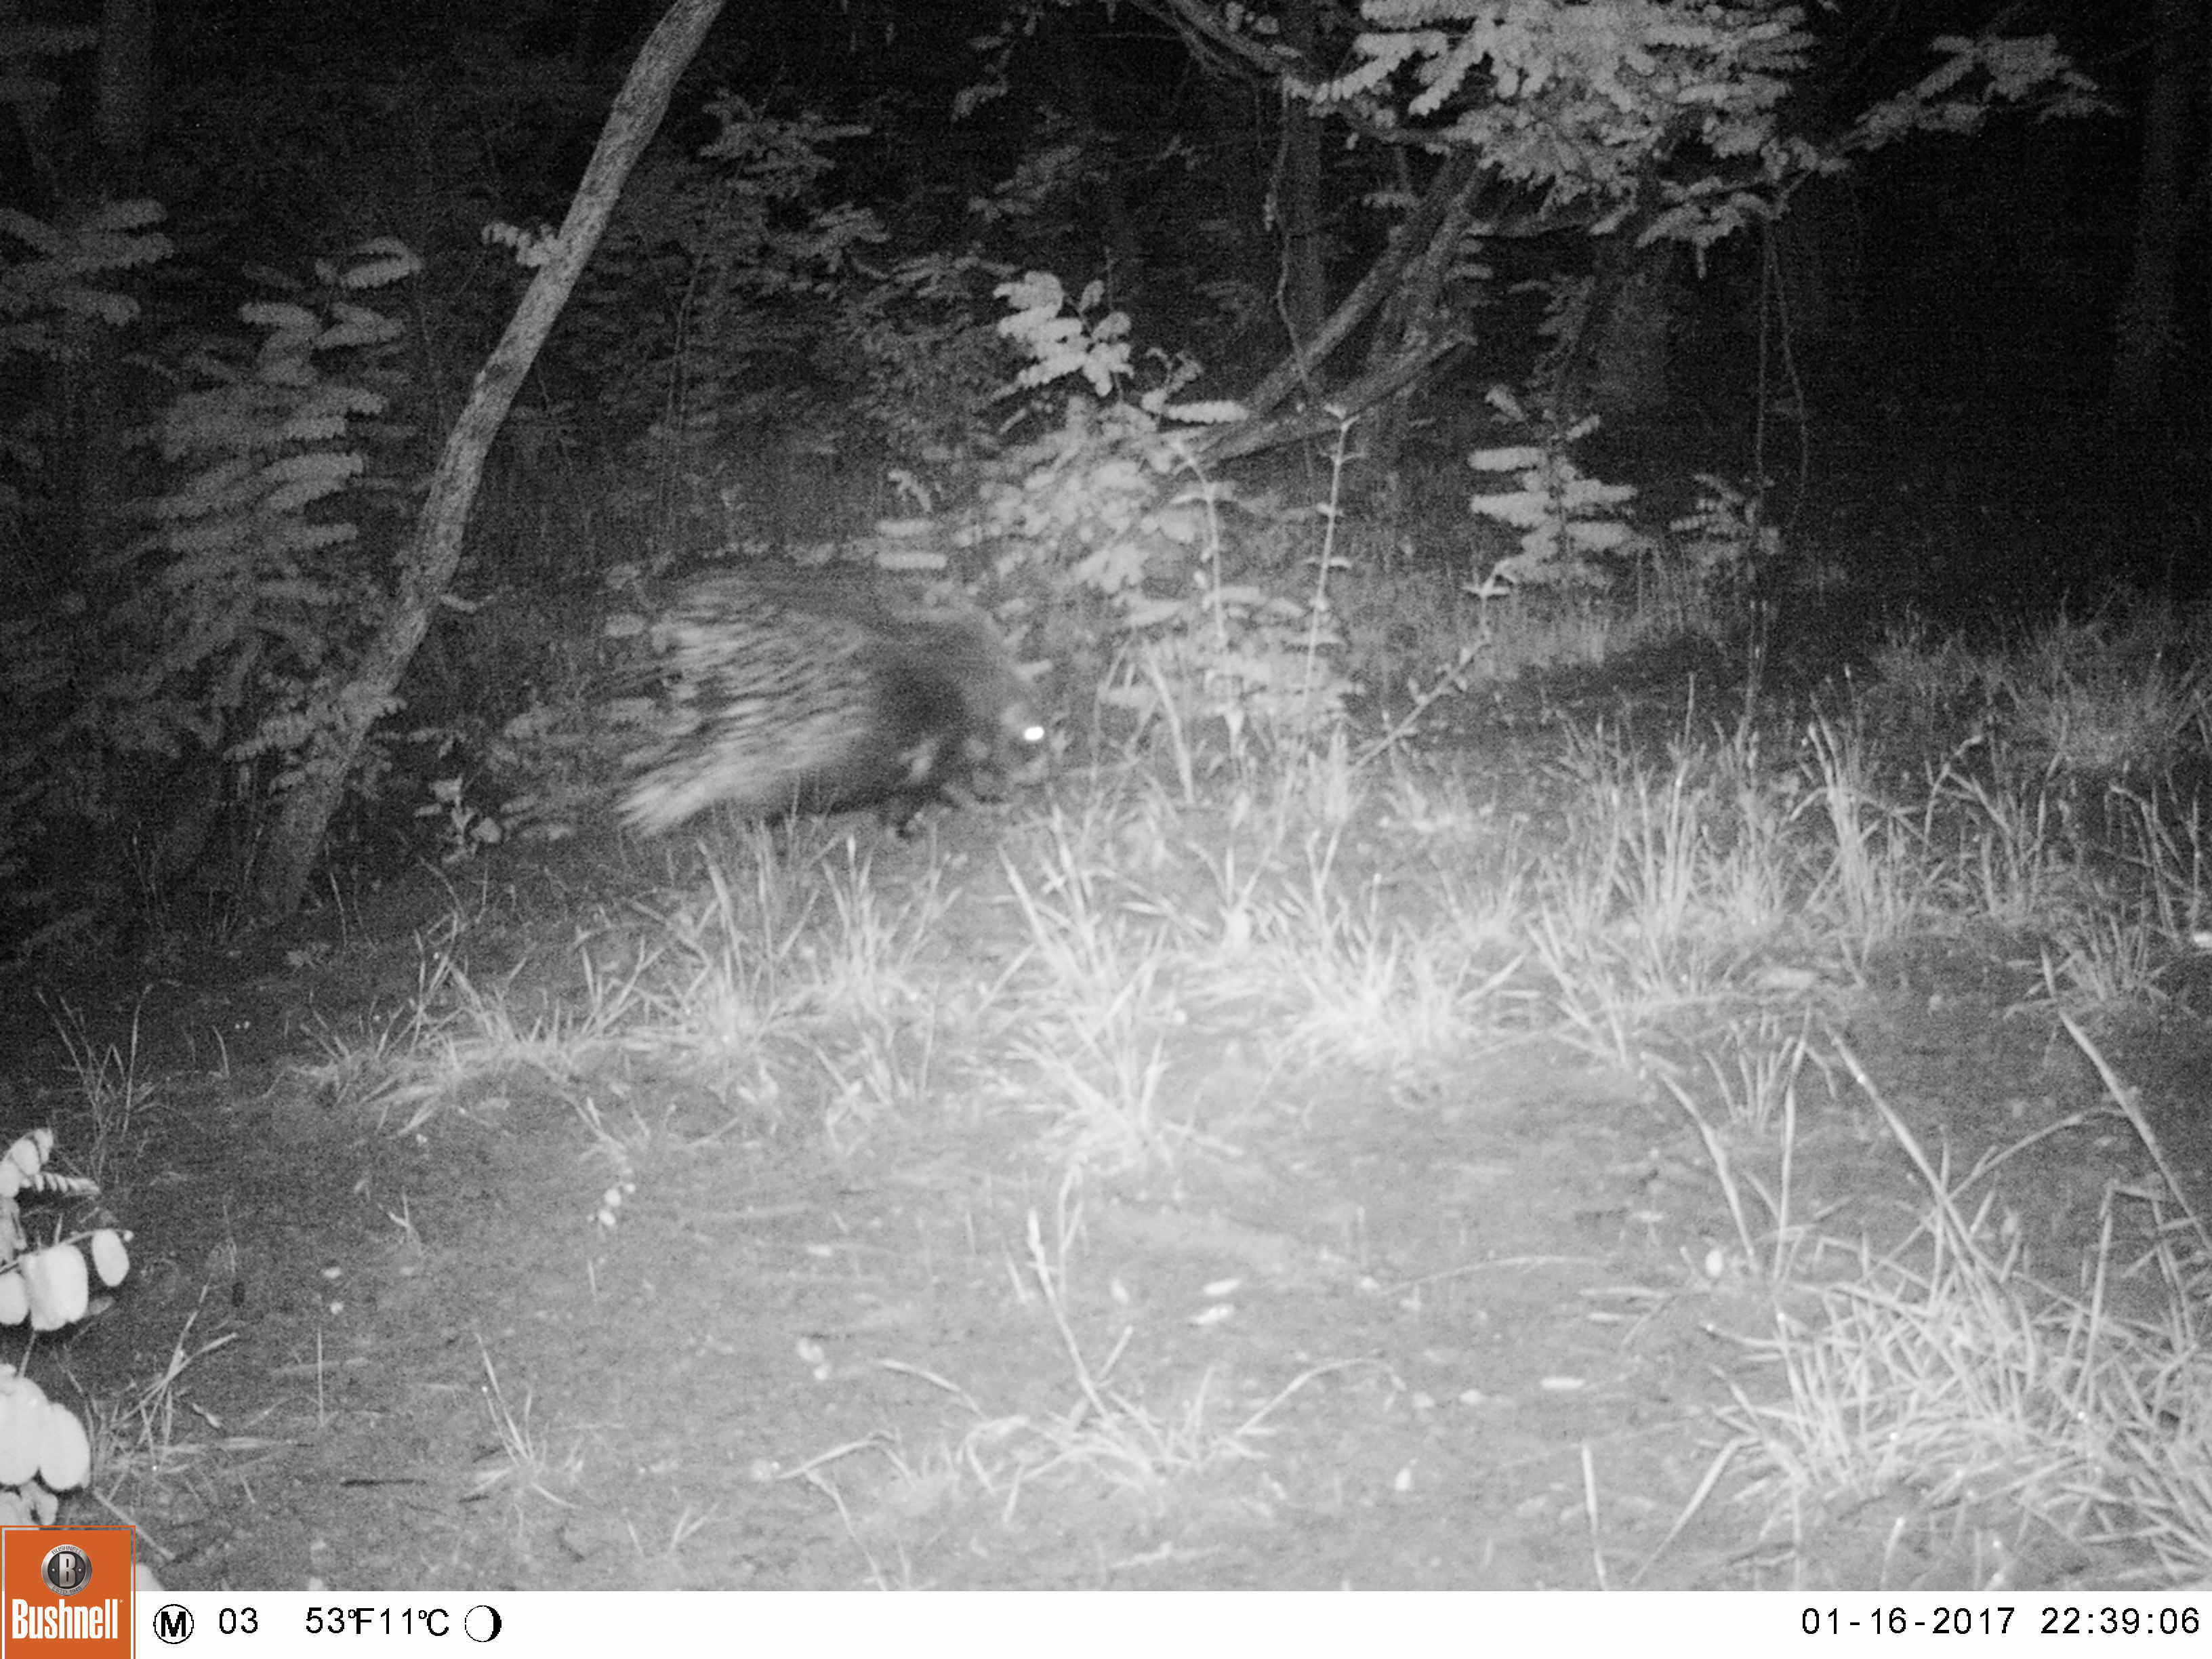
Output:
x,y
65,1592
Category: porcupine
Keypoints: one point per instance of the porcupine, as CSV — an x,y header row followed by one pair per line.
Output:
x,y
809,692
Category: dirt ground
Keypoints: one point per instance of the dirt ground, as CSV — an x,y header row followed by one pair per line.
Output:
x,y
1465,1326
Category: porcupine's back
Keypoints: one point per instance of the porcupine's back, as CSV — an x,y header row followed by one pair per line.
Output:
x,y
792,692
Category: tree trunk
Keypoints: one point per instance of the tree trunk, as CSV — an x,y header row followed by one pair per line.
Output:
x,y
126,88
123,115
1410,329
1624,365
1122,250
1297,193
1459,175
2147,325
304,816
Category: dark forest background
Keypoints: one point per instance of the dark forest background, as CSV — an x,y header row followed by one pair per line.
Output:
x,y
1920,291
